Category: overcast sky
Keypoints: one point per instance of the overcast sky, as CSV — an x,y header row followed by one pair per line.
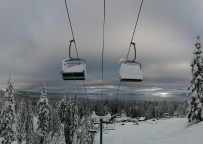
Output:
x,y
35,34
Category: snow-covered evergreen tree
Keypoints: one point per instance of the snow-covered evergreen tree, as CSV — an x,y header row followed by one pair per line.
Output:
x,y
65,120
86,136
21,120
68,122
55,123
59,138
48,138
29,126
8,116
43,116
75,118
62,107
71,120
195,90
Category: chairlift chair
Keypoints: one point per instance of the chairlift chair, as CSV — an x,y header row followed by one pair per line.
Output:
x,y
73,68
94,129
130,70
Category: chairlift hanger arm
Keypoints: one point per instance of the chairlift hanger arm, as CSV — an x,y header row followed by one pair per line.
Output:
x,y
132,43
71,41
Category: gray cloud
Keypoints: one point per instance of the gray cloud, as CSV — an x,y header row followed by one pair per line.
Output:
x,y
35,36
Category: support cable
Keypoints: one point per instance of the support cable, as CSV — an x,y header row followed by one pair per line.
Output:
x,y
86,95
118,91
135,28
103,50
71,28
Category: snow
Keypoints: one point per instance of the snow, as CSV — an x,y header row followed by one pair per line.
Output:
x,y
1,140
111,127
35,123
73,67
169,131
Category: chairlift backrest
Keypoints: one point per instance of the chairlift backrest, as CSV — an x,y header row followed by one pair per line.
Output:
x,y
130,71
73,69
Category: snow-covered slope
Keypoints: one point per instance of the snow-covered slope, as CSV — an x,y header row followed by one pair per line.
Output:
x,y
169,131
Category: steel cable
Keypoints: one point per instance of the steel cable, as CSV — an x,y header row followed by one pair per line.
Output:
x,y
103,50
71,28
135,28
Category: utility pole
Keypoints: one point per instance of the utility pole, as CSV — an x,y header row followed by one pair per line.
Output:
x,y
101,126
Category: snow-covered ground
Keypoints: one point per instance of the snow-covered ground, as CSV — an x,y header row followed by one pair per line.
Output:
x,y
169,131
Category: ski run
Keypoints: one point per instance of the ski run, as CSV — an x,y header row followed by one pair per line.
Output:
x,y
163,131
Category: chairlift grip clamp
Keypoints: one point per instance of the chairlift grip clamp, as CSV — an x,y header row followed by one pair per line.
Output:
x,y
132,43
72,40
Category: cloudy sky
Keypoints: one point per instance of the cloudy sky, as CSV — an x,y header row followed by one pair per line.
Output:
x,y
35,34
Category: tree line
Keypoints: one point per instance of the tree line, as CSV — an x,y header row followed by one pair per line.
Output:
x,y
26,121
67,120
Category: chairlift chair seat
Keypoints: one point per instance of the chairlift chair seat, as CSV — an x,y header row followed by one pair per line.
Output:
x,y
73,69
130,71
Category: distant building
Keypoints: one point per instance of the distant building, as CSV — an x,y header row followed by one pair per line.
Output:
x,y
142,119
122,117
166,115
134,120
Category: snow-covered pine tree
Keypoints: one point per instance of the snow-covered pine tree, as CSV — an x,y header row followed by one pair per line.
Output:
x,y
43,116
71,120
195,90
64,115
8,116
55,123
86,136
75,118
62,107
59,138
68,122
29,127
62,135
21,120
